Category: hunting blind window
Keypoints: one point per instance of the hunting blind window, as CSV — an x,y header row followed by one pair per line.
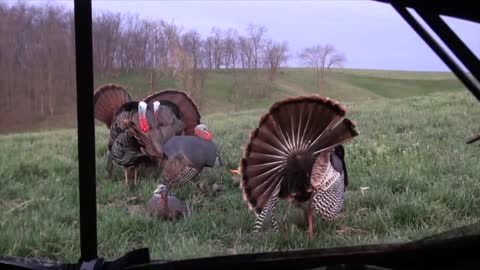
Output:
x,y
225,128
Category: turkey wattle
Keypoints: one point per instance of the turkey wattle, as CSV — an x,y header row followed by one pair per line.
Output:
x,y
296,154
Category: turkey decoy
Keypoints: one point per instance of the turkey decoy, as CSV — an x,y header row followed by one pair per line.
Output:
x,y
181,157
165,206
165,114
296,154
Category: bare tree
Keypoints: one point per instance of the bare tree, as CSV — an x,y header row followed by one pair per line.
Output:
x,y
36,59
256,35
216,41
171,38
275,55
245,51
106,34
320,57
207,52
183,65
232,52
191,44
336,60
230,48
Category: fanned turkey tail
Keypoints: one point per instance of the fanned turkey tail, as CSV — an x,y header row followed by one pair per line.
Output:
x,y
288,139
108,99
181,105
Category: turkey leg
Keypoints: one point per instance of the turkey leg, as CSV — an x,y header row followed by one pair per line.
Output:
x,y
125,170
310,222
135,175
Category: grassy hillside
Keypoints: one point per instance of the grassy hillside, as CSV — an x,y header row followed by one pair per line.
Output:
x,y
422,179
346,85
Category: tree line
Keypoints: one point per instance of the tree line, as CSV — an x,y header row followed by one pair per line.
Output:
x,y
37,52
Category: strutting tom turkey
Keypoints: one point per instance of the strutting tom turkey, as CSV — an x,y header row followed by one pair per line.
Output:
x,y
162,115
296,154
181,157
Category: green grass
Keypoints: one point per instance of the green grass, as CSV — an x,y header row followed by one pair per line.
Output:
x,y
398,88
360,85
422,179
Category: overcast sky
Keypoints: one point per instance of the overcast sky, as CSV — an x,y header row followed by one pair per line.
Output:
x,y
371,34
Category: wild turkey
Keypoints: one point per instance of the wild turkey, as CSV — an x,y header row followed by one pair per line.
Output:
x,y
474,138
165,114
181,157
165,206
123,147
296,154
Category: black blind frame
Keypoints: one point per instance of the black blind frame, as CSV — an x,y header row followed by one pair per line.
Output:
x,y
86,129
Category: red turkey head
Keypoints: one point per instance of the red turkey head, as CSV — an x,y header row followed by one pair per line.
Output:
x,y
203,132
142,116
156,105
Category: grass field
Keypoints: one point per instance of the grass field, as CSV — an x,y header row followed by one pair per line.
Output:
x,y
422,179
345,85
